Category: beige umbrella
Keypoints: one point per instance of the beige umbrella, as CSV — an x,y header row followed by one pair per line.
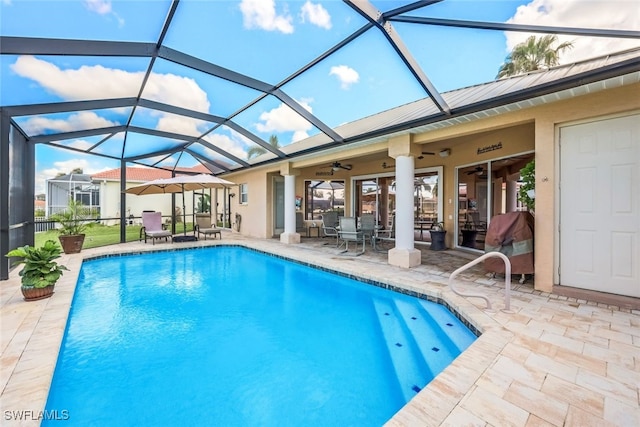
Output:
x,y
180,184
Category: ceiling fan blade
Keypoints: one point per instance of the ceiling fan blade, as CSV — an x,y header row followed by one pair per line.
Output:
x,y
428,153
337,165
477,170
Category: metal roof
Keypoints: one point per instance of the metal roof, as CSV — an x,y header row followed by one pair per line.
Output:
x,y
132,142
621,68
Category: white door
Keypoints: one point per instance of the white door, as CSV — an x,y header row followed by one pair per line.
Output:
x,y
600,206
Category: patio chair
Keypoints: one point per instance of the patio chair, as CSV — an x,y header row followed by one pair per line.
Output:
x,y
206,227
152,227
329,222
368,225
349,232
383,235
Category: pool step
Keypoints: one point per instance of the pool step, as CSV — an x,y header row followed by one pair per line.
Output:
x,y
458,334
432,340
409,365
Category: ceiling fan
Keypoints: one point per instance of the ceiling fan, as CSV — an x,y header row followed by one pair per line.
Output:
x,y
478,170
336,166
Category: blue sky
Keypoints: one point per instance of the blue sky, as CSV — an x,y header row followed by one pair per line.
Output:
x,y
266,40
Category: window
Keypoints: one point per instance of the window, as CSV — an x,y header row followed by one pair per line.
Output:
x,y
324,196
244,194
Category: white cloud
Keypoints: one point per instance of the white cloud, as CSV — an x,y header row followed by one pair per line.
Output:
x,y
316,14
284,119
346,75
178,124
262,14
6,2
603,14
177,90
299,135
80,144
98,82
226,143
103,7
79,121
65,167
86,82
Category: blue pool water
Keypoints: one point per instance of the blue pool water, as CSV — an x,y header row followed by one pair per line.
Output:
x,y
228,336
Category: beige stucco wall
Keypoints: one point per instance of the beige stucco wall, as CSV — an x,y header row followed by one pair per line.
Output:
x,y
521,131
257,212
548,120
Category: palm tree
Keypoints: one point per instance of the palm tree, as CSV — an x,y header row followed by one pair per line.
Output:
x,y
258,150
533,54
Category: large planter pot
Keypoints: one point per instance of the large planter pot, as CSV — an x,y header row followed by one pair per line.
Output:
x,y
71,244
437,240
33,294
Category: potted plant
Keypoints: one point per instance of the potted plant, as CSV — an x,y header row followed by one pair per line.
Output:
x,y
438,233
40,272
72,226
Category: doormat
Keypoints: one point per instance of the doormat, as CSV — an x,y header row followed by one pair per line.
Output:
x,y
180,239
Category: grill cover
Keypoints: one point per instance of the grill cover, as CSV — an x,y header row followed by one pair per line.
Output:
x,y
511,234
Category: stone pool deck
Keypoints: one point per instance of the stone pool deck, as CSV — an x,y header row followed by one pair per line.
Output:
x,y
552,360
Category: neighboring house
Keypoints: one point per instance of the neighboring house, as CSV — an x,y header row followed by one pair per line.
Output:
x,y
108,183
39,205
71,186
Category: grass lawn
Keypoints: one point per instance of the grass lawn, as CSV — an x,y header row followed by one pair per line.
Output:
x,y
102,235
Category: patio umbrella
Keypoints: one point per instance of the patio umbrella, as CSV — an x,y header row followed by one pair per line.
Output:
x,y
180,184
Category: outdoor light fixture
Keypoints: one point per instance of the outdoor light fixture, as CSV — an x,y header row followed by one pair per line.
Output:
x,y
445,153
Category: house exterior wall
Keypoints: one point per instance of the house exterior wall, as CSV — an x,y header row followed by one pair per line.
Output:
x,y
521,131
546,121
257,213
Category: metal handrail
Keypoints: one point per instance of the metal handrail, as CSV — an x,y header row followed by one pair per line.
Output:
x,y
507,280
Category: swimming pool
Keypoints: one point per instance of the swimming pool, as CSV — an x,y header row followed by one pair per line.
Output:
x,y
230,336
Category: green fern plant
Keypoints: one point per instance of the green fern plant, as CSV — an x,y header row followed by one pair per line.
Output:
x,y
73,219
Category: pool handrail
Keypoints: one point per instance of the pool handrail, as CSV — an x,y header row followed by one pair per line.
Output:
x,y
507,279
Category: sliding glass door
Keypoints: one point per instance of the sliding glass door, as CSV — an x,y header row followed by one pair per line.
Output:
x,y
485,190
377,195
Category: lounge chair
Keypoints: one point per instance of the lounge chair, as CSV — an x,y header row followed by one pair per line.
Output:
x,y
349,232
329,222
152,227
206,227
